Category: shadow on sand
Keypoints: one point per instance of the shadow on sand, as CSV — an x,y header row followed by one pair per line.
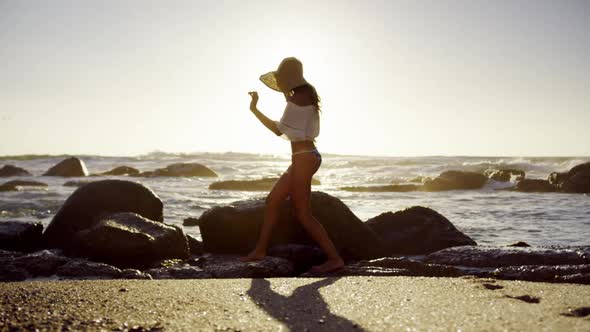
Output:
x,y
304,310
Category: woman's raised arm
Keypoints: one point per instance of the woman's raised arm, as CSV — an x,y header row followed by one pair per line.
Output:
x,y
268,123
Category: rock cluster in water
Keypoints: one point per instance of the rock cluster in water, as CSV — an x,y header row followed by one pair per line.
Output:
x,y
114,229
75,167
576,180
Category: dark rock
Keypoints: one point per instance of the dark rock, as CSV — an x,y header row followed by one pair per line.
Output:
x,y
10,254
456,180
195,246
264,184
9,272
577,278
492,286
525,298
191,221
387,188
181,170
10,170
519,244
71,167
122,170
89,202
483,256
129,240
417,230
302,256
134,274
545,273
578,312
20,236
577,180
188,272
40,263
159,273
234,228
535,185
230,266
22,183
85,269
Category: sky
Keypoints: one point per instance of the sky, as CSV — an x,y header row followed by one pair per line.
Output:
x,y
396,78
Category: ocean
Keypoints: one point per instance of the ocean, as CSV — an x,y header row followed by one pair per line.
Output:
x,y
488,215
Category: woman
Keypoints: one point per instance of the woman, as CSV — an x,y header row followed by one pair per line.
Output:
x,y
300,125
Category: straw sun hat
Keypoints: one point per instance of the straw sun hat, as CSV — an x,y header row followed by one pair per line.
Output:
x,y
287,77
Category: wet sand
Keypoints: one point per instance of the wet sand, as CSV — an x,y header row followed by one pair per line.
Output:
x,y
298,304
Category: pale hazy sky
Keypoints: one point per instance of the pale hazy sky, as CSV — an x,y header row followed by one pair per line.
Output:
x,y
396,77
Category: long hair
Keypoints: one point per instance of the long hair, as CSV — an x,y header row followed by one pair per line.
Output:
x,y
310,90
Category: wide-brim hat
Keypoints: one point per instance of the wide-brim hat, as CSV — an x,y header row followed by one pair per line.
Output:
x,y
287,77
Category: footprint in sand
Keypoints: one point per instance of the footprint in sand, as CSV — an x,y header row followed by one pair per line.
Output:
x,y
578,312
526,298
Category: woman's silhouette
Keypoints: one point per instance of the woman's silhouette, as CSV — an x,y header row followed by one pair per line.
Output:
x,y
300,124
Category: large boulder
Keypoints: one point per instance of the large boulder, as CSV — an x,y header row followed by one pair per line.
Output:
x,y
129,240
122,170
534,185
577,180
11,170
93,200
20,236
234,228
417,230
70,167
456,180
181,170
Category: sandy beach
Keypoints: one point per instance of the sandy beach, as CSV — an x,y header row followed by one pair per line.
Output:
x,y
297,304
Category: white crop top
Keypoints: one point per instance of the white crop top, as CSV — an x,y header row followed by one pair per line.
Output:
x,y
299,123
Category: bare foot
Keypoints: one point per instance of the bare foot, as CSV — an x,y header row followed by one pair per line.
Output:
x,y
328,266
253,256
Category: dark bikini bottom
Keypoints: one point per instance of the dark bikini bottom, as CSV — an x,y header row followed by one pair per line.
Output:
x,y
314,151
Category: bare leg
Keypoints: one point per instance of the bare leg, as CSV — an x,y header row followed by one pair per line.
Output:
x,y
304,166
271,214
